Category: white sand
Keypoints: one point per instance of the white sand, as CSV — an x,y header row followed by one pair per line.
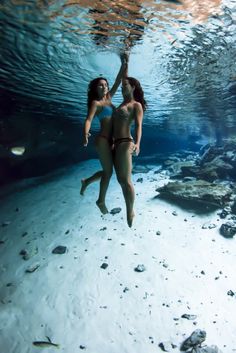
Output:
x,y
75,302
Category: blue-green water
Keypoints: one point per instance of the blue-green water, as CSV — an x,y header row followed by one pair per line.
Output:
x,y
183,54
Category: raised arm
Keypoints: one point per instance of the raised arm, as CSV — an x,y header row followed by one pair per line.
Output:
x,y
88,122
138,127
123,72
125,58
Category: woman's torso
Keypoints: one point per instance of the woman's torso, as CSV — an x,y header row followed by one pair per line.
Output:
x,y
122,120
104,115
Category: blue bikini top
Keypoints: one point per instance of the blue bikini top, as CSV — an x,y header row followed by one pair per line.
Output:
x,y
107,111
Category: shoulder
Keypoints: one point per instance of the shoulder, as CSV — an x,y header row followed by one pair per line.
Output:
x,y
138,106
94,104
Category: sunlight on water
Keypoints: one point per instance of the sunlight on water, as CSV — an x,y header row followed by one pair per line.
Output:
x,y
183,52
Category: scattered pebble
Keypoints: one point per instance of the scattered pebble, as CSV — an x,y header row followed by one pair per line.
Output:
x,y
33,268
189,317
231,293
59,250
166,346
5,224
139,180
104,265
140,268
27,254
115,210
225,212
209,226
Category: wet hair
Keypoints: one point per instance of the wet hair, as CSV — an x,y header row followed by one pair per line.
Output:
x,y
92,90
138,91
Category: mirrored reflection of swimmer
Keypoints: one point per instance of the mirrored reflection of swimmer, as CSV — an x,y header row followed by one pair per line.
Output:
x,y
129,111
101,27
100,106
123,19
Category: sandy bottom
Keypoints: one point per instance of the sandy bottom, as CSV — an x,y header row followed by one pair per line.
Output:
x,y
81,306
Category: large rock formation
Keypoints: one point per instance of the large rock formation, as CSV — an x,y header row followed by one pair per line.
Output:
x,y
197,190
208,177
214,163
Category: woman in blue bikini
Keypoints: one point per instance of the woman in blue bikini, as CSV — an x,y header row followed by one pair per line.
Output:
x,y
100,106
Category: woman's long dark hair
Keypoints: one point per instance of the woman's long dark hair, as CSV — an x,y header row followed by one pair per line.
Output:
x,y
92,90
138,91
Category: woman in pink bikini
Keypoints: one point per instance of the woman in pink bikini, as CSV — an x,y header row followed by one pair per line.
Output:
x,y
130,111
100,106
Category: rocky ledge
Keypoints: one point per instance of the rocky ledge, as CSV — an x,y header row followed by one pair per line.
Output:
x,y
207,177
198,190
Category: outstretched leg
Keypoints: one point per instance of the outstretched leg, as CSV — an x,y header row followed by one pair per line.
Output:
x,y
85,182
105,156
123,166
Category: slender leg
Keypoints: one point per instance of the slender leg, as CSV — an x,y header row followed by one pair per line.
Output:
x,y
105,156
123,166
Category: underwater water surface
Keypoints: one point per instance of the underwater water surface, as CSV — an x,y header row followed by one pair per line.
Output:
x,y
183,53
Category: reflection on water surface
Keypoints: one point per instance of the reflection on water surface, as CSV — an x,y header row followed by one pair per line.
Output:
x,y
183,52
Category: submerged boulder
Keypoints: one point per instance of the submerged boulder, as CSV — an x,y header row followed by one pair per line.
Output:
x,y
210,171
212,163
220,160
196,338
217,166
197,190
228,229
178,167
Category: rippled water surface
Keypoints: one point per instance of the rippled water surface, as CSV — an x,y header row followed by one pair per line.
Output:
x,y
183,52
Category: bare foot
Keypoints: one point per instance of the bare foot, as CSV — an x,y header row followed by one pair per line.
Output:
x,y
102,207
130,219
83,186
